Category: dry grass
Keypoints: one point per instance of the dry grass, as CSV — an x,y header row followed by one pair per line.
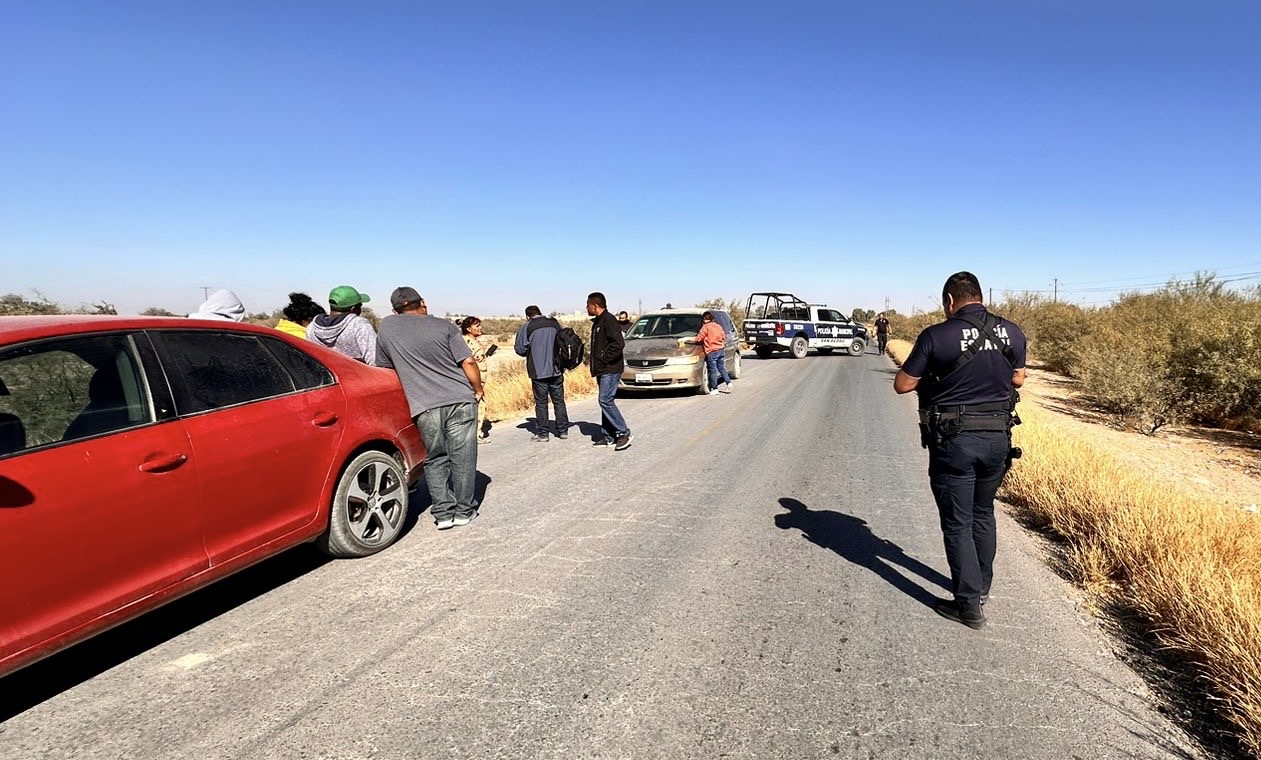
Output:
x,y
1191,569
508,393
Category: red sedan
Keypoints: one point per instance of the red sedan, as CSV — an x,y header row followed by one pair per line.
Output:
x,y
142,458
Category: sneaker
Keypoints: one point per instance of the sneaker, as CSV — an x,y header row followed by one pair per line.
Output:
x,y
464,519
483,439
623,442
726,388
951,609
562,435
539,438
605,441
984,598
445,524
712,392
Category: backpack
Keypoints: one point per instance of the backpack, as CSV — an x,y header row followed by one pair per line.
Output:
x,y
569,351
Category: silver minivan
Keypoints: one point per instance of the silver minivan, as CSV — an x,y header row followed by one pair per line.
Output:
x,y
661,351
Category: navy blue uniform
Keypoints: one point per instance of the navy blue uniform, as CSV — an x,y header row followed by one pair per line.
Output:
x,y
966,468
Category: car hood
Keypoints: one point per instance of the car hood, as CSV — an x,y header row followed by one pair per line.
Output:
x,y
657,348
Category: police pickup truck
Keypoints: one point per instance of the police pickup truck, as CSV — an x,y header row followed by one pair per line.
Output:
x,y
783,322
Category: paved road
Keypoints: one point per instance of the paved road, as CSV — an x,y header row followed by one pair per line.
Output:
x,y
750,580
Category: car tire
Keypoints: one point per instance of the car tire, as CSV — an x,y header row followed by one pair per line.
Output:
x,y
763,352
825,351
703,387
858,347
799,347
735,367
369,506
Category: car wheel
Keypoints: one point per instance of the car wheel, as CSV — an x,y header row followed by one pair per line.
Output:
x,y
825,351
703,388
735,367
857,347
798,347
763,352
369,506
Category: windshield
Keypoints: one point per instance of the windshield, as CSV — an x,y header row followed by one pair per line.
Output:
x,y
665,326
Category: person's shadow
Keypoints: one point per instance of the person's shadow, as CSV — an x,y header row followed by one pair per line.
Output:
x,y
850,537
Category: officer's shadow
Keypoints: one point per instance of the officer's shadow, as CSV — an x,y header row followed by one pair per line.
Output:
x,y
850,537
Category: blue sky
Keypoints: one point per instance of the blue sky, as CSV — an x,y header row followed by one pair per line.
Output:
x,y
496,154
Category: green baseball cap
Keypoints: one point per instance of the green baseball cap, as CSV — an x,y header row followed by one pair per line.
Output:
x,y
345,297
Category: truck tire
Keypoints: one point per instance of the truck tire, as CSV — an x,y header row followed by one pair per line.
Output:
x,y
858,347
798,347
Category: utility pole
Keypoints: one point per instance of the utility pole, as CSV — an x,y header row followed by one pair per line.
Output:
x,y
991,299
205,292
1055,289
886,303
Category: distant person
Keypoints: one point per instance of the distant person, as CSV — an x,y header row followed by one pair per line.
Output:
x,y
624,321
966,371
536,341
607,363
344,329
713,342
471,329
443,387
299,314
222,305
882,332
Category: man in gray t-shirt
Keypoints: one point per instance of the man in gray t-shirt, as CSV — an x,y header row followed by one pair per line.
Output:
x,y
443,387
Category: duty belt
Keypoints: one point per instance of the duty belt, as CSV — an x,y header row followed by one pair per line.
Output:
x,y
940,423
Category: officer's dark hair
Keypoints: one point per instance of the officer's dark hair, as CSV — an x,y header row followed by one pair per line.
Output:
x,y
963,287
532,311
467,323
597,298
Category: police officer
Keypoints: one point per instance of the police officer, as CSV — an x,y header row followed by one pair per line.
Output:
x,y
966,371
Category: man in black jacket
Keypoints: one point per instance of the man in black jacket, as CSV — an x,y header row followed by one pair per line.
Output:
x,y
607,345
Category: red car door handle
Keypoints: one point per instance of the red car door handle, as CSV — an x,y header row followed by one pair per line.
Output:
x,y
163,463
324,419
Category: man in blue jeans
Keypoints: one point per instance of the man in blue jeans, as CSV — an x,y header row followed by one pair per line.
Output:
x,y
607,362
443,387
536,341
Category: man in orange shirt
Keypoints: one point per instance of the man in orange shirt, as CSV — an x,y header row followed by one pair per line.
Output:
x,y
713,341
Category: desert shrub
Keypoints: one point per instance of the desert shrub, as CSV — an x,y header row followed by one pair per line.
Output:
x,y
1215,361
1055,331
1189,352
909,327
12,304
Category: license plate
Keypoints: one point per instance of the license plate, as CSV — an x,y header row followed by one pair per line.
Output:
x,y
643,377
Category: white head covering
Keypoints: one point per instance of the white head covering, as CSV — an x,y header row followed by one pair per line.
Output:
x,y
222,304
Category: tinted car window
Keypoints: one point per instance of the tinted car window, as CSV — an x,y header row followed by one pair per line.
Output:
x,y
63,390
306,371
210,370
724,322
